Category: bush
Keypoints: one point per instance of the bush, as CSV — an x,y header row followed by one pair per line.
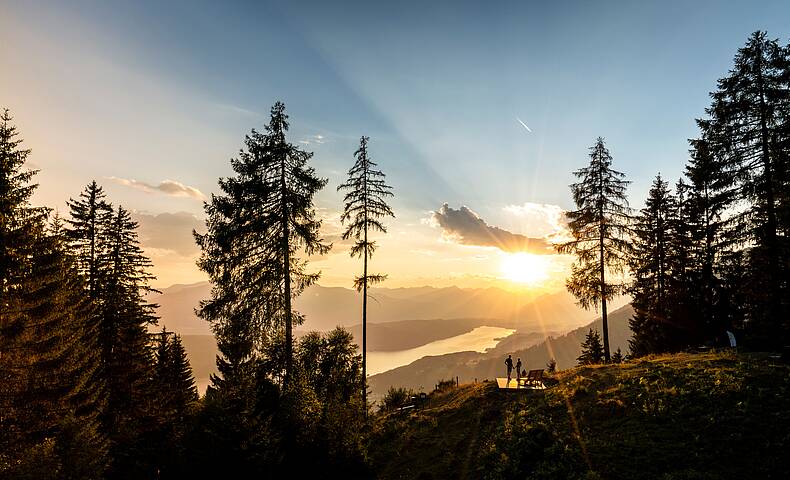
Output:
x,y
395,398
445,385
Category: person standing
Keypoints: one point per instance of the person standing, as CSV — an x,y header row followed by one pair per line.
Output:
x,y
518,373
509,364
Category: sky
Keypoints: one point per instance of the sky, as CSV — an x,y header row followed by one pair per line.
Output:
x,y
478,112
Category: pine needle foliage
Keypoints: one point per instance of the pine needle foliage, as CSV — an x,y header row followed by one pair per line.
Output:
x,y
599,228
257,228
365,207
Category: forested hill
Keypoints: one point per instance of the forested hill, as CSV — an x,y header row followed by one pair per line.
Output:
x,y
685,416
470,365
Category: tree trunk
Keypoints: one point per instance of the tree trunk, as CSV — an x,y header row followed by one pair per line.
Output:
x,y
365,303
603,304
770,209
365,326
287,280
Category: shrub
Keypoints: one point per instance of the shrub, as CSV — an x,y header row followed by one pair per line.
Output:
x,y
395,398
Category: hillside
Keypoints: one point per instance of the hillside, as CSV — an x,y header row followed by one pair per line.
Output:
x,y
685,416
533,351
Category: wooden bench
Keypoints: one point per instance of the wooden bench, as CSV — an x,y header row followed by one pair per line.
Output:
x,y
533,378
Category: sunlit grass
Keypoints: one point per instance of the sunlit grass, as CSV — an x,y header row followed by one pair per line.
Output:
x,y
670,416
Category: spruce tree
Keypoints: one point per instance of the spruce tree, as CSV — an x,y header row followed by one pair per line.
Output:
x,y
749,110
592,350
617,356
711,193
257,227
650,266
682,287
599,228
173,376
365,206
90,216
48,360
128,360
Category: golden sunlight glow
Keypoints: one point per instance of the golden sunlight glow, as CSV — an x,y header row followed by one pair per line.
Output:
x,y
525,268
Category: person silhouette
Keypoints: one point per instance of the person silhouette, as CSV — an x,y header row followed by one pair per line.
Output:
x,y
509,363
518,372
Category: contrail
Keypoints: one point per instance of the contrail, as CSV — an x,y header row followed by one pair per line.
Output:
x,y
524,125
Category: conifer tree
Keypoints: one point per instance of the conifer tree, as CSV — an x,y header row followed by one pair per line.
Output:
x,y
90,216
682,287
650,266
365,206
592,350
749,111
125,316
711,194
617,356
174,380
47,358
599,228
257,228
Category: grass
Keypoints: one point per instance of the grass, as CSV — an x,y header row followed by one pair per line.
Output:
x,y
684,416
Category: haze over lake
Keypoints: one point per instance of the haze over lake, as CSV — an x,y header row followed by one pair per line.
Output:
x,y
478,340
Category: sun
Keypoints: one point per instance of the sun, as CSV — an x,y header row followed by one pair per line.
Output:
x,y
525,268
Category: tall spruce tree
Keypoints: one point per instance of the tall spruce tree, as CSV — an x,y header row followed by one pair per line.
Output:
x,y
125,316
682,291
749,110
650,265
48,402
365,206
256,229
711,193
599,228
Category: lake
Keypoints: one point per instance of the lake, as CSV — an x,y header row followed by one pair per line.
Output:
x,y
202,351
478,340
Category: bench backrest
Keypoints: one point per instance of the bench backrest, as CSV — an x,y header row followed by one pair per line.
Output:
x,y
535,374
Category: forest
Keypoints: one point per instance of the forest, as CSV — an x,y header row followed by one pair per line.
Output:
x,y
92,388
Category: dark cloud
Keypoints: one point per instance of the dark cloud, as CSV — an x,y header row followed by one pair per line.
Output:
x,y
169,231
469,229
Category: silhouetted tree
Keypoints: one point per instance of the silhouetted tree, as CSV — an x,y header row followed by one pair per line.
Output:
x,y
617,356
90,215
176,400
711,194
365,206
653,236
592,350
125,318
263,219
48,407
748,130
173,377
599,228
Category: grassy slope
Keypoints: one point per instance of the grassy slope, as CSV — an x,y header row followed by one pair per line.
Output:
x,y
669,417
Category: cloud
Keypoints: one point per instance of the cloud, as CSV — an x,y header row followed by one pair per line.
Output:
x,y
168,233
542,219
467,228
168,187
313,140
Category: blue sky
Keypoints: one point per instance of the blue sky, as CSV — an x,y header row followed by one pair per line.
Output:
x,y
157,91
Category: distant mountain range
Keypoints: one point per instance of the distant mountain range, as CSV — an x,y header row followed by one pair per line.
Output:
x,y
328,307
